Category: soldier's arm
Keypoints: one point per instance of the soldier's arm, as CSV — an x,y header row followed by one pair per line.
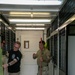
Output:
x,y
48,57
12,62
34,56
7,54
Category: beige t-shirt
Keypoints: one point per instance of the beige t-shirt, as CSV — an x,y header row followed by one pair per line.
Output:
x,y
45,55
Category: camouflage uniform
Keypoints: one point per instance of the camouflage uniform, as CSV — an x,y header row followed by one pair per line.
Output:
x,y
43,66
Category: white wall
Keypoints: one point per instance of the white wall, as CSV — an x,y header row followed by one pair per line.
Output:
x,y
71,55
51,68
36,33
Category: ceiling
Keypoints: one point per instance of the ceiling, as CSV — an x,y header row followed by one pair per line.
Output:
x,y
30,14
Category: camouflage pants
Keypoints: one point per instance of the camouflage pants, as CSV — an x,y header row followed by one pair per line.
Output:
x,y
43,71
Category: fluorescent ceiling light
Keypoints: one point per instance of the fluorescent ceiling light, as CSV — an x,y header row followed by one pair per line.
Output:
x,y
29,14
30,24
19,13
22,28
30,20
25,13
31,2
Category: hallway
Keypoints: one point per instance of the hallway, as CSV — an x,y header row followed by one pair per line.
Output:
x,y
29,21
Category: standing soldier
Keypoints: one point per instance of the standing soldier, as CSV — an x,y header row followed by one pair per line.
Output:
x,y
43,59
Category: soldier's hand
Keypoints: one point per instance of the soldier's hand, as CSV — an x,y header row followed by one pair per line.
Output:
x,y
5,65
34,56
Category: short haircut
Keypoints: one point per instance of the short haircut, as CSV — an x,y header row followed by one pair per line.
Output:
x,y
43,42
18,43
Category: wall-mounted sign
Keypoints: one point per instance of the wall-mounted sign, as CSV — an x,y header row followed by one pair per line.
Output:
x,y
26,44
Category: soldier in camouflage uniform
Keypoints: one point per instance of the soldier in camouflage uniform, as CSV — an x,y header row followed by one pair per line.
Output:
x,y
43,59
